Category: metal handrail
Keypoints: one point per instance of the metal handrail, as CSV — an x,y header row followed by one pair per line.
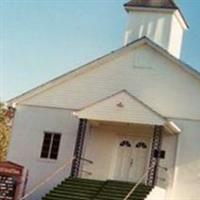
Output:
x,y
35,188
138,183
141,179
87,160
164,168
87,172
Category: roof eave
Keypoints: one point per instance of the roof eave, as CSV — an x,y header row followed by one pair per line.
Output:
x,y
179,62
56,81
81,69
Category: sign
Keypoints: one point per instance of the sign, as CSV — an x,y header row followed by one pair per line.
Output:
x,y
13,171
7,187
13,179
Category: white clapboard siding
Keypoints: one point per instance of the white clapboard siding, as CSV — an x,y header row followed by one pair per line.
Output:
x,y
121,107
143,72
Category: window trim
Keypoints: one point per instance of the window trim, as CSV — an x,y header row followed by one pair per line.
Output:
x,y
48,158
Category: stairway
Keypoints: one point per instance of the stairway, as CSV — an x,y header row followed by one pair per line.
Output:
x,y
85,189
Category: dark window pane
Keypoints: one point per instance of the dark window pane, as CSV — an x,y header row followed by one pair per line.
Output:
x,y
125,143
46,145
141,145
55,146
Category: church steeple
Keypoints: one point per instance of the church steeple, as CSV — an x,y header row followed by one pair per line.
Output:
x,y
160,20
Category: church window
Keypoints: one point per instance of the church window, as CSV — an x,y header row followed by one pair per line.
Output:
x,y
125,143
50,146
141,145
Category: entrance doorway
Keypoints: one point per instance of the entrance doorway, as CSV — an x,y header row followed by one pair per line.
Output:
x,y
132,157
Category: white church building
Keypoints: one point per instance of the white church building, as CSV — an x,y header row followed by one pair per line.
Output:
x,y
130,113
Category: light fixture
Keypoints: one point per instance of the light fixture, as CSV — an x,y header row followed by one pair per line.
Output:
x,y
120,105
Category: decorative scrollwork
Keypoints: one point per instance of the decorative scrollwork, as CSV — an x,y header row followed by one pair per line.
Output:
x,y
78,148
141,145
154,161
125,143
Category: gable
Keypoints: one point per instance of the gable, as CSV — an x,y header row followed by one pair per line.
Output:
x,y
142,70
121,107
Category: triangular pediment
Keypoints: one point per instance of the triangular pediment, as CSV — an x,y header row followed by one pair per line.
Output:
x,y
121,107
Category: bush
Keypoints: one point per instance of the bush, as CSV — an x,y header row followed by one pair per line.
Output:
x,y
4,131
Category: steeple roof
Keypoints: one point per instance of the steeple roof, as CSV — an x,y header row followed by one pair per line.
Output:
x,y
169,4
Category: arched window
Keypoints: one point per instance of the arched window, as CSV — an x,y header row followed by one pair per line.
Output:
x,y
141,145
125,143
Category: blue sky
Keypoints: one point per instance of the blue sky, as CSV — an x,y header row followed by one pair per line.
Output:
x,y
41,39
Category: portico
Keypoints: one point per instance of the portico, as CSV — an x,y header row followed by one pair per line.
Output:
x,y
120,138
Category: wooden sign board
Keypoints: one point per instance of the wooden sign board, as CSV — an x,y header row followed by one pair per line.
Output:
x,y
11,180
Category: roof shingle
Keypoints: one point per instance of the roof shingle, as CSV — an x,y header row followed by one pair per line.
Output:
x,y
152,3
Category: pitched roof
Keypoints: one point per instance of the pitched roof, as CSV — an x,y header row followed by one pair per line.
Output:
x,y
152,3
121,107
124,107
98,61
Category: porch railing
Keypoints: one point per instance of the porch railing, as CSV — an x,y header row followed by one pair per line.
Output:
x,y
88,161
163,179
47,179
67,163
140,181
51,176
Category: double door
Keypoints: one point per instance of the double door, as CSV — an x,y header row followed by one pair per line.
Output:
x,y
132,158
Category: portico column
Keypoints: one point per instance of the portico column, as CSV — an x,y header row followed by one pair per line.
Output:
x,y
78,147
155,155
